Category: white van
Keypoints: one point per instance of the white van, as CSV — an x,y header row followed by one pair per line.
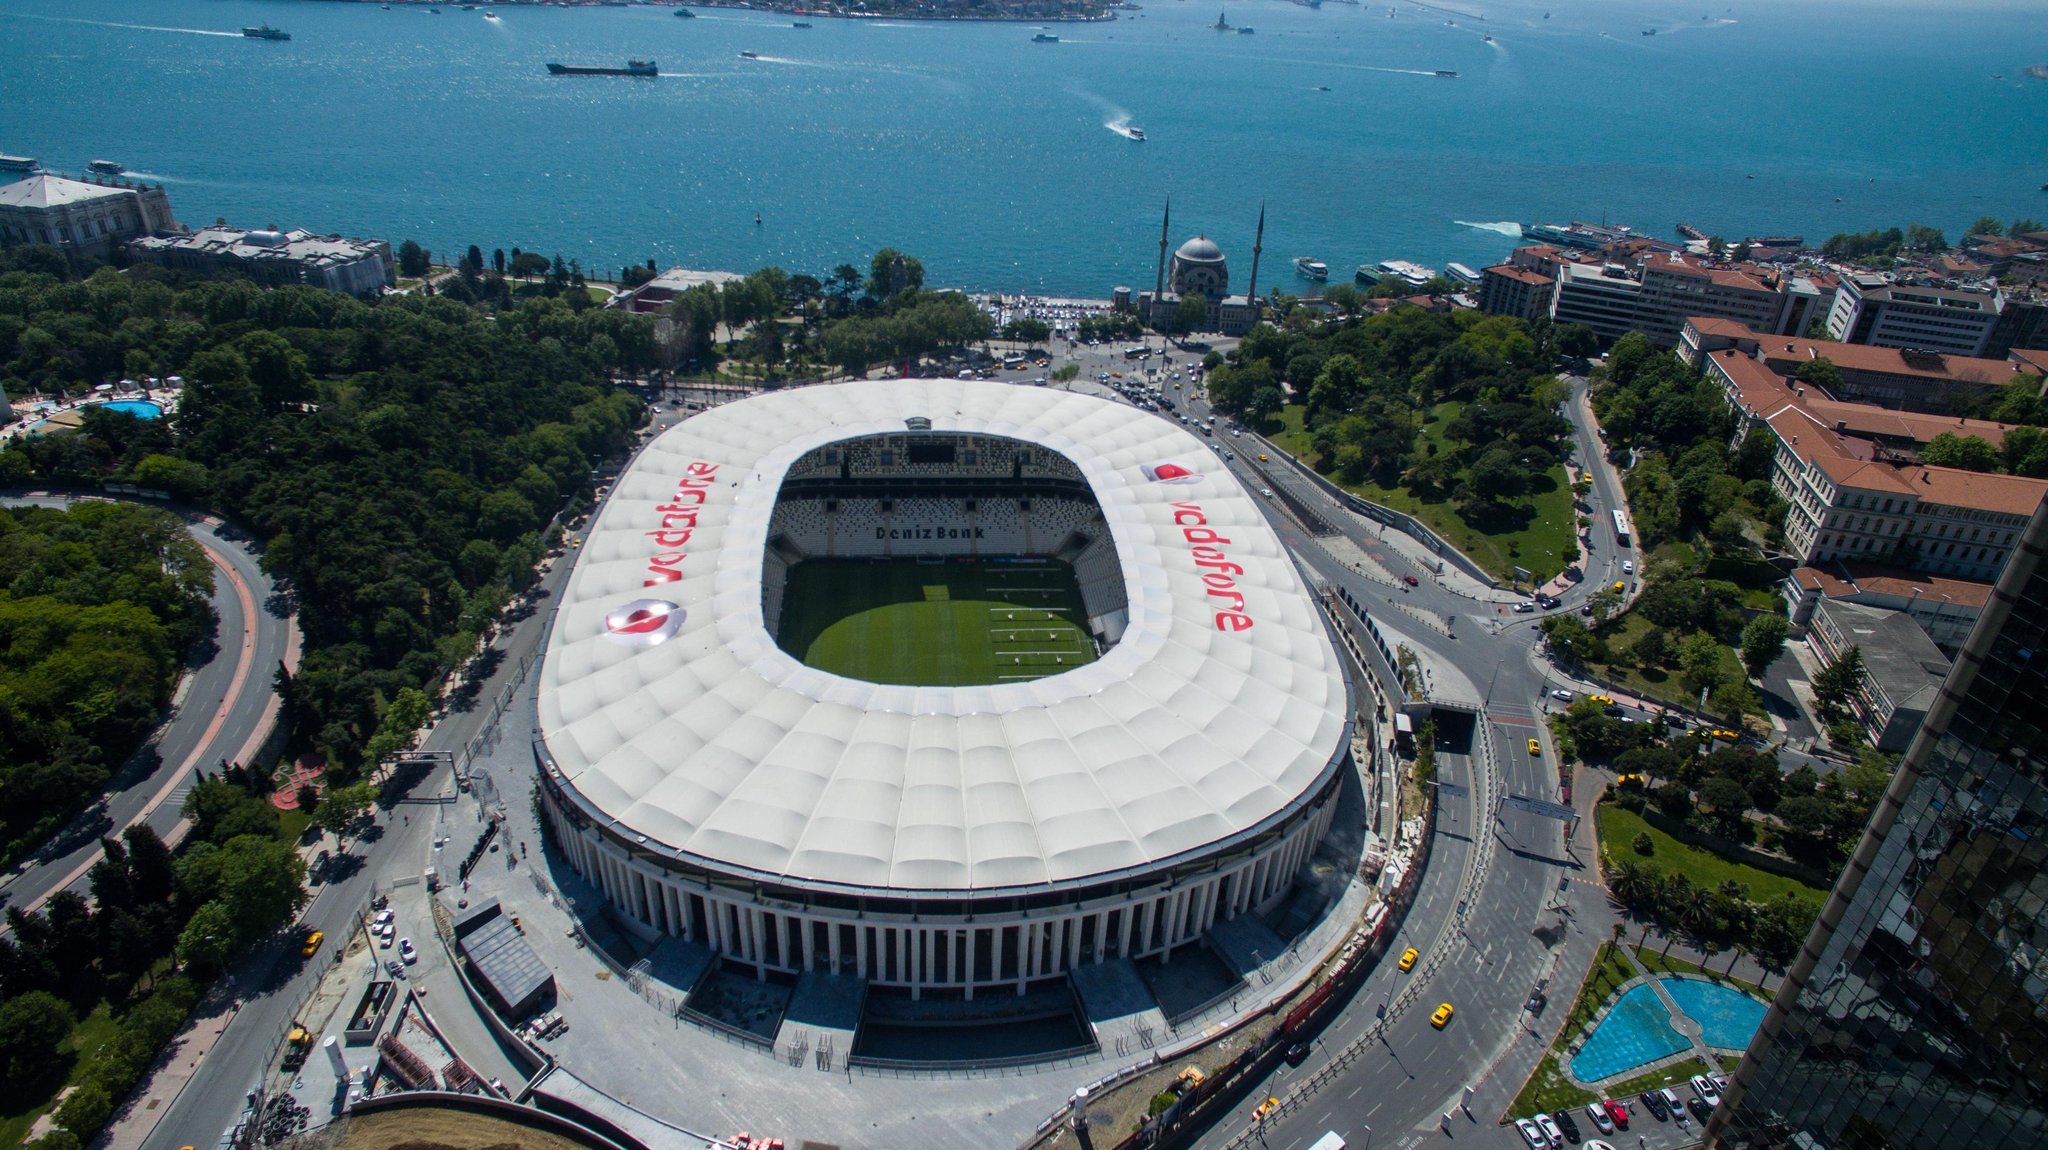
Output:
x,y
1329,1141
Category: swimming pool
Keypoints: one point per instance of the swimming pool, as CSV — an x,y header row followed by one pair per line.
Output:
x,y
139,408
1638,1031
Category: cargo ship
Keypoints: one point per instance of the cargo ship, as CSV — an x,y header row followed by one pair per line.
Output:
x,y
266,32
632,68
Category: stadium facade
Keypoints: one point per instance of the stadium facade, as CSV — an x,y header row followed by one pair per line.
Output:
x,y
963,838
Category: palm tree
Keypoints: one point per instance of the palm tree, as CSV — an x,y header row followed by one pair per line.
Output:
x,y
1697,912
1629,882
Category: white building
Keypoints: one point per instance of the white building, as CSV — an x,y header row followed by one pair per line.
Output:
x,y
78,217
1953,321
356,267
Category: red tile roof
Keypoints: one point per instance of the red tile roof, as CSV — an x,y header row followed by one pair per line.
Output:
x,y
1873,579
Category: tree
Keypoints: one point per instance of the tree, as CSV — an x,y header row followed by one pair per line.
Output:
x,y
1576,340
1968,452
1839,681
2024,226
343,806
1651,648
1699,660
2025,452
1921,238
1265,402
413,260
474,259
1191,313
498,260
1986,226
1728,800
87,1110
31,1026
1763,640
208,939
1717,246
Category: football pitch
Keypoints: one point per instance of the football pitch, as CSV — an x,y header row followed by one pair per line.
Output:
x,y
935,624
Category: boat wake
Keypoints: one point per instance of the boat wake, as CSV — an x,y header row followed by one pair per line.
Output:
x,y
1504,227
116,24
1121,125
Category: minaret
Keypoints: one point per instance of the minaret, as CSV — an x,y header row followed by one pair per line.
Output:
x,y
1159,286
1251,291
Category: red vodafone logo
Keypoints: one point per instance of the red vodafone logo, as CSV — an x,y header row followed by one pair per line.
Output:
x,y
643,622
1170,473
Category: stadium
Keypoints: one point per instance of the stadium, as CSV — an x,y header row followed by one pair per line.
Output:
x,y
949,686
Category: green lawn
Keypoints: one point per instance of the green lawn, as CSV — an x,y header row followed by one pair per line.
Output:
x,y
17,1115
1532,533
1619,827
935,625
1662,683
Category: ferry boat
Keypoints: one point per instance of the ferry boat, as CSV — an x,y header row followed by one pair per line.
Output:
x,y
686,14
632,68
1366,275
1446,73
1246,30
266,32
1577,234
1312,268
26,165
105,168
1407,271
1462,274
1045,38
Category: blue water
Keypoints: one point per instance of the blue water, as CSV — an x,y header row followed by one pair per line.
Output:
x,y
1728,1018
1638,1030
140,409
997,161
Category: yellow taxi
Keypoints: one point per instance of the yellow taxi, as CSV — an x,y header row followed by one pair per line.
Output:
x,y
1603,700
1441,1017
312,943
1408,958
1262,457
1535,748
1620,586
1264,1109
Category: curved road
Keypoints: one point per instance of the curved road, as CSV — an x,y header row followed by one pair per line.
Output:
x,y
222,711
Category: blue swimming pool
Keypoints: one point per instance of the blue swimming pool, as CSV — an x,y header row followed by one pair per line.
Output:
x,y
139,408
1638,1030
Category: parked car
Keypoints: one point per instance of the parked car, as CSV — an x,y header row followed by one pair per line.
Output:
x,y
1532,1134
1628,567
1598,1114
406,951
1571,1128
1705,1088
312,943
1655,1103
392,968
1617,1110
1550,1131
1673,1102
1700,1107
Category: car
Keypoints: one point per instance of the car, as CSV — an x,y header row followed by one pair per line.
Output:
x,y
1441,1016
1596,1144
384,942
1613,709
1411,580
1550,1131
1266,491
1720,1081
1548,603
1571,1128
1618,1111
1532,1134
1603,700
392,968
1408,958
1600,1118
1705,1088
383,917
1264,1108
1586,610
1535,748
1561,694
312,944
1620,586
1262,457
1628,567
1655,1103
406,951
1700,1107
1524,608
1537,1001
1673,1102
1296,1054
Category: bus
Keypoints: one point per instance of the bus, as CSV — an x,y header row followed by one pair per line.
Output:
x,y
1137,352
1329,1141
1620,527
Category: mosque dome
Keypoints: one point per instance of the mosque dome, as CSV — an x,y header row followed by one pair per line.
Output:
x,y
1200,250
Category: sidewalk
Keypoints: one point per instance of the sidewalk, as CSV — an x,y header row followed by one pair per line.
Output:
x,y
136,1119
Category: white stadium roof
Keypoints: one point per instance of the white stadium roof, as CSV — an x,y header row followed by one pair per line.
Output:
x,y
720,749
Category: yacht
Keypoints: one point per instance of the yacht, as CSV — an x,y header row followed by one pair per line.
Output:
x,y
750,55
1312,268
26,165
1135,132
490,15
1045,38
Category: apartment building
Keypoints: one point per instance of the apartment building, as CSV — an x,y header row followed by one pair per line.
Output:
x,y
1873,309
1883,376
1505,289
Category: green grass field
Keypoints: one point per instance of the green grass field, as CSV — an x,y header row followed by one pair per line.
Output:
x,y
935,625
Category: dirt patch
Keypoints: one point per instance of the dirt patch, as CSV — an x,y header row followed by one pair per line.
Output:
x,y
421,1128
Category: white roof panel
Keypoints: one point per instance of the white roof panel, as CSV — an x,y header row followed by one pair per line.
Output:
x,y
688,725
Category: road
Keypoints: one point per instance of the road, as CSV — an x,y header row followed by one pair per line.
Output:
x,y
221,712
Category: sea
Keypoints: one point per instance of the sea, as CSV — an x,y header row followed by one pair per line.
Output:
x,y
1006,164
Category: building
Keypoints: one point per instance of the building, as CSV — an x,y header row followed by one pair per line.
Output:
x,y
86,219
1902,667
1604,296
1882,376
966,839
1952,321
655,294
355,267
1916,1015
1198,267
1505,289
1676,285
1944,608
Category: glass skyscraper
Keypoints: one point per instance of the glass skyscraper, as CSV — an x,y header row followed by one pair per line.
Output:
x,y
1917,1014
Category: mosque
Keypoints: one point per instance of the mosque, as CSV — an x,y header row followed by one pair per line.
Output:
x,y
1198,268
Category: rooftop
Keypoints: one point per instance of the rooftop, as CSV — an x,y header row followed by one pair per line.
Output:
x,y
1897,655
48,191
298,245
1842,580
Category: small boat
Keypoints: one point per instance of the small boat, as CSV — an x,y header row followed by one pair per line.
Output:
x,y
106,167
798,24
490,15
1312,268
1446,73
1135,133
757,217
1649,31
686,14
1487,39
1322,87
266,32
750,55
1045,38
1246,31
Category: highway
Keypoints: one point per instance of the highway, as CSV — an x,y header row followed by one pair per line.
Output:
x,y
221,713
